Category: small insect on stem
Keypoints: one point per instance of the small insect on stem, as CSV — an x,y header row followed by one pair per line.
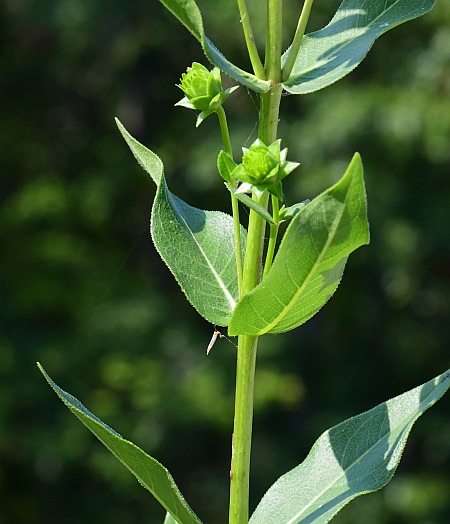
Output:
x,y
216,334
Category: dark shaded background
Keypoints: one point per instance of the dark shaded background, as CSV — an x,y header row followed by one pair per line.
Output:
x,y
83,291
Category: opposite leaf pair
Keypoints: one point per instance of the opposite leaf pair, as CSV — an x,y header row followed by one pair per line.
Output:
x,y
355,457
198,248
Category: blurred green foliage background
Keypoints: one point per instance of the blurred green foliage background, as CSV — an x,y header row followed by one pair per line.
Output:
x,y
83,291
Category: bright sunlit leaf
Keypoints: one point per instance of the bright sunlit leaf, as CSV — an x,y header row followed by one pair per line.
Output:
x,y
310,261
355,457
327,55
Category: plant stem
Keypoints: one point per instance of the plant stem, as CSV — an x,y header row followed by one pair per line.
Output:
x,y
224,130
234,201
298,37
245,377
247,345
274,41
273,235
258,68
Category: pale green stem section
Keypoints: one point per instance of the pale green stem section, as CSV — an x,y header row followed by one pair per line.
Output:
x,y
224,130
273,235
258,68
299,33
274,40
245,377
247,345
234,201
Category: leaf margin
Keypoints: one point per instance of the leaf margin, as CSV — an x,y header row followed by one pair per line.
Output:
x,y
82,413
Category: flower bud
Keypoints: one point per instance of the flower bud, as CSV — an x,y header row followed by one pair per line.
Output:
x,y
263,167
203,90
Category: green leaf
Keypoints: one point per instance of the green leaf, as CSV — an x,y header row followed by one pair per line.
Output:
x,y
226,166
197,246
327,55
150,162
356,457
286,213
310,261
249,202
189,15
247,79
170,520
148,471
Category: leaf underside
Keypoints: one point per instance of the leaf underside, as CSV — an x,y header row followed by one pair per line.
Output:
x,y
356,457
327,55
310,260
149,472
196,245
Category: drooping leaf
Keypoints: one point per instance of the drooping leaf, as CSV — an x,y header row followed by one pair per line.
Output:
x,y
356,457
327,55
196,245
149,472
310,261
247,79
189,15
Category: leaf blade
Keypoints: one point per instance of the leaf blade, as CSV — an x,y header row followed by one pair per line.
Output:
x,y
207,271
147,470
188,13
331,476
331,53
310,261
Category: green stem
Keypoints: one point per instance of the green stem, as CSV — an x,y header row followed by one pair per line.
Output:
x,y
247,345
224,130
274,40
245,376
273,235
258,68
298,37
234,201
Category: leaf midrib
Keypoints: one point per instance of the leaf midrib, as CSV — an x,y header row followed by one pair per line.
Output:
x,y
419,410
343,45
217,277
313,270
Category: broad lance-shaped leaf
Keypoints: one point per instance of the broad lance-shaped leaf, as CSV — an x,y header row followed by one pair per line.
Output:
x,y
310,260
355,457
149,472
327,55
196,245
189,15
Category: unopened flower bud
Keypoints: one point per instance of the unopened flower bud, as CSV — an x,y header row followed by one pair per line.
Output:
x,y
203,90
264,167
